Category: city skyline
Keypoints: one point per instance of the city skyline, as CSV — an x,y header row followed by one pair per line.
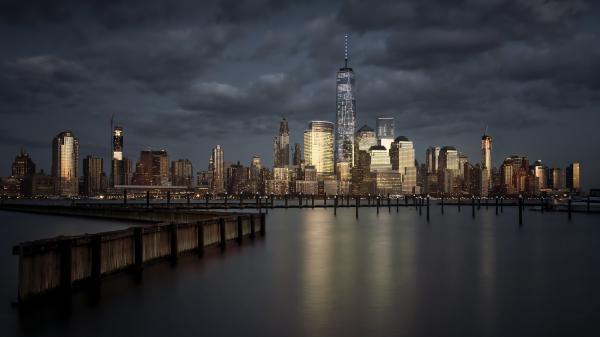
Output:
x,y
507,79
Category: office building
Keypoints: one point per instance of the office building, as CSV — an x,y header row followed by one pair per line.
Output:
x,y
182,173
345,125
281,145
318,147
65,164
385,131
572,177
93,176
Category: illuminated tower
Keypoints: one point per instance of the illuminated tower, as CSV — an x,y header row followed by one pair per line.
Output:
x,y
65,163
345,112
318,146
217,160
486,164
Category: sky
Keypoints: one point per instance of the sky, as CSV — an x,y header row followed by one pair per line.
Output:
x,y
186,75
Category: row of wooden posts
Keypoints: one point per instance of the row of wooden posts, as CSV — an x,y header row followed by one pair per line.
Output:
x,y
59,263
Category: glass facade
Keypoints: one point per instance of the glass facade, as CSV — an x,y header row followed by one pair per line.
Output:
x,y
318,147
65,163
486,165
345,115
385,131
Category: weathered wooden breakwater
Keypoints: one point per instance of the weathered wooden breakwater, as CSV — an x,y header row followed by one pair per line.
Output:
x,y
61,263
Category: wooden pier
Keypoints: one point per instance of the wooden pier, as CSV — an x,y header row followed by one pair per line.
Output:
x,y
61,263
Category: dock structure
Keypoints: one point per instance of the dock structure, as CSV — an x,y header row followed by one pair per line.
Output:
x,y
61,263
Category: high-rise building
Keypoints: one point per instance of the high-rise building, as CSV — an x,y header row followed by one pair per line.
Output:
x,y
385,131
540,172
152,169
281,145
448,169
182,173
65,163
120,171
431,159
380,158
486,165
558,178
402,155
297,154
92,176
22,166
572,177
218,168
345,125
318,147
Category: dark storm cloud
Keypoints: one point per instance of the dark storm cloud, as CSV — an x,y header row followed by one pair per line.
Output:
x,y
189,74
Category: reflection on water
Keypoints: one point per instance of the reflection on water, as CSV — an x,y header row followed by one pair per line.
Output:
x,y
316,274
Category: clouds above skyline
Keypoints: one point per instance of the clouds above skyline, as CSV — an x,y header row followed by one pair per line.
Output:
x,y
187,75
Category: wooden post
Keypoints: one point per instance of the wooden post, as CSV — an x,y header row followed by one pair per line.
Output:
x,y
168,198
206,198
473,207
388,200
325,200
420,202
263,225
356,205
478,203
147,199
286,200
66,257
225,199
222,237
300,200
313,200
200,238
124,196
442,204
569,210
520,210
459,204
501,204
272,200
96,259
138,250
378,204
174,244
348,200
369,200
496,205
428,208
486,203
256,199
397,204
252,226
241,196
240,230
335,204
187,196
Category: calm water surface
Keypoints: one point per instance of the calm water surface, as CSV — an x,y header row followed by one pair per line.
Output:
x,y
319,275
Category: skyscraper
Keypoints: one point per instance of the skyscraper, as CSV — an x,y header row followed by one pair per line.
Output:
x,y
120,171
281,145
448,169
486,165
431,159
297,154
22,166
572,177
385,131
65,163
182,173
152,169
402,154
92,176
345,125
217,161
318,146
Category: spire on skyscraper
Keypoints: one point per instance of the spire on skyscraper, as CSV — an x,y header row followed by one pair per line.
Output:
x,y
346,51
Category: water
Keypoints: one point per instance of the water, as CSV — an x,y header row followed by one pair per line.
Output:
x,y
319,275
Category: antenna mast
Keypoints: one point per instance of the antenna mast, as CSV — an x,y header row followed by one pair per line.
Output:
x,y
346,51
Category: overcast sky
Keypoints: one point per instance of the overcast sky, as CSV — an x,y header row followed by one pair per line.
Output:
x,y
185,76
